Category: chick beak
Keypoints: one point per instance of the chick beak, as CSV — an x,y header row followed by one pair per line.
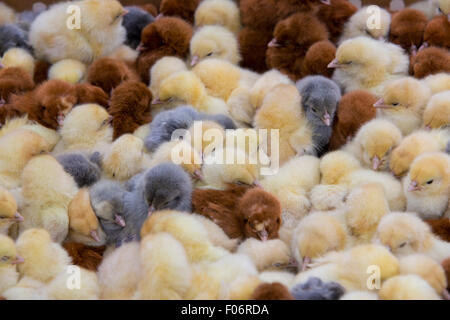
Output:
x,y
263,235
141,47
413,186
151,210
381,105
198,175
334,64
60,118
194,60
326,119
445,294
306,261
448,17
18,217
273,43
157,101
124,12
428,127
2,102
292,264
423,46
327,2
375,163
94,235
119,220
18,260
2,65
257,184
159,16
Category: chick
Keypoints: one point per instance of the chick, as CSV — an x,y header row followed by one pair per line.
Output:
x,y
134,22
334,14
99,33
438,82
357,25
13,81
43,259
316,289
88,93
427,185
58,289
12,36
405,233
355,108
8,211
436,33
374,142
407,29
70,70
317,59
430,61
265,84
403,102
218,12
271,291
215,42
163,68
326,197
20,58
437,112
84,171
46,198
184,9
9,258
407,287
320,99
365,63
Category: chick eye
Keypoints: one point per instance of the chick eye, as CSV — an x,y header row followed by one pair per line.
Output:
x,y
429,181
209,54
245,220
402,245
278,220
5,258
395,104
314,109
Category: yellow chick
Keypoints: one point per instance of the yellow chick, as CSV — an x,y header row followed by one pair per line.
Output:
x,y
214,42
166,273
216,234
8,260
224,13
281,110
438,82
374,142
86,32
26,289
69,70
405,233
124,158
17,148
118,278
265,84
437,111
326,197
358,25
186,88
403,103
335,166
407,287
18,57
162,69
8,211
444,7
427,185
86,127
7,14
84,226
43,259
365,63
47,191
317,234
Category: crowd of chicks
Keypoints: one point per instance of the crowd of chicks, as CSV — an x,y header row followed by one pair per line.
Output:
x,y
86,177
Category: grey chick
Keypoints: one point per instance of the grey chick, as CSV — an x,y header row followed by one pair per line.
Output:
x,y
134,21
316,289
11,36
320,99
25,18
83,170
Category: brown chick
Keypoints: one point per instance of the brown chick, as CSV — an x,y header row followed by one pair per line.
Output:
x,y
429,61
355,109
87,93
407,29
41,71
14,81
317,59
335,15
271,291
167,36
437,33
184,9
108,73
253,46
130,107
85,256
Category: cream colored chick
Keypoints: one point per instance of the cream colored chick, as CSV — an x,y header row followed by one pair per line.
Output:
x,y
9,258
47,191
86,127
188,230
427,7
403,103
437,111
438,82
407,287
281,110
326,197
216,234
417,143
20,58
267,255
366,205
8,211
427,185
374,142
58,288
358,25
16,149
185,87
118,278
265,84
7,14
426,268
26,289
95,30
405,233
166,273
365,63
224,13
43,259
69,70
162,69
214,42
124,158
317,234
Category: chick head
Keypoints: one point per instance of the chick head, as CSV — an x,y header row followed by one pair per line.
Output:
x,y
359,22
214,42
68,70
101,14
18,57
335,166
183,86
8,207
404,233
437,112
162,69
261,214
218,12
377,139
430,174
8,252
407,287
